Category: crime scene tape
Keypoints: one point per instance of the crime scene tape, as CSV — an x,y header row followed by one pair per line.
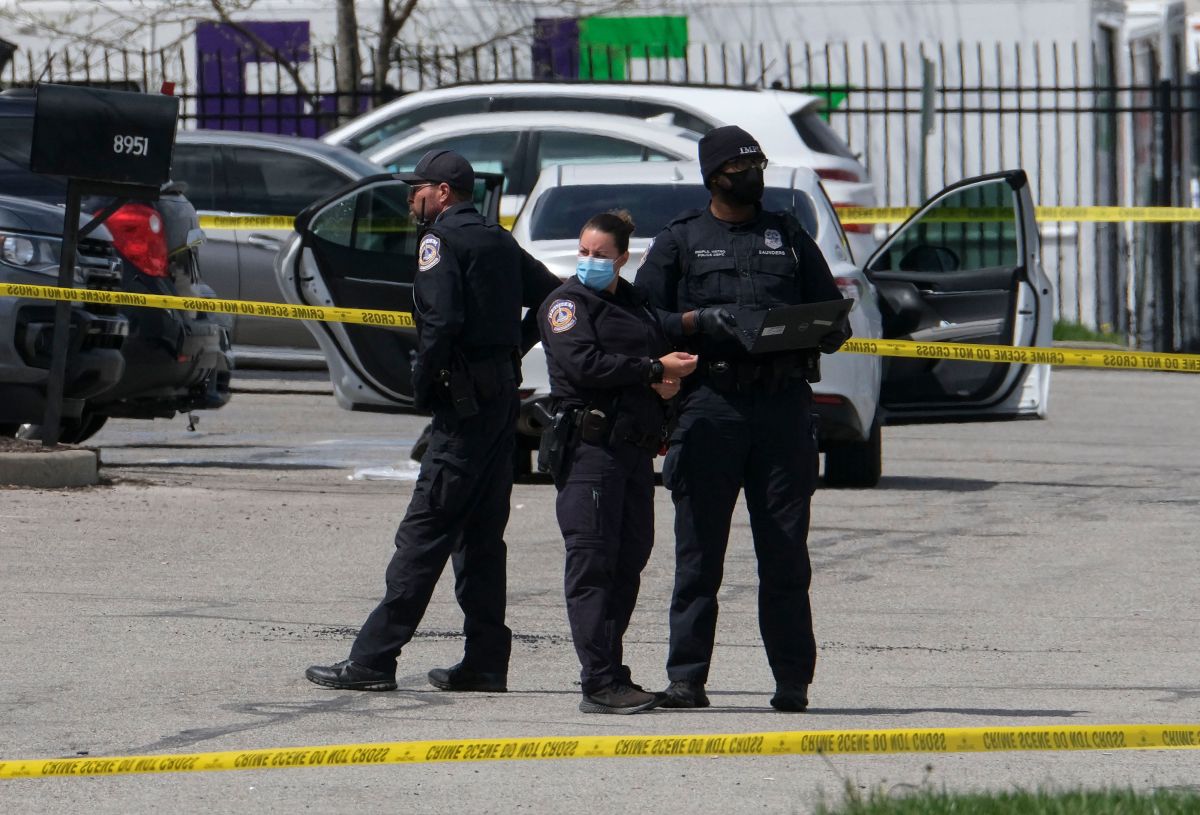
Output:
x,y
1027,355
884,215
251,308
942,351
287,222
1106,737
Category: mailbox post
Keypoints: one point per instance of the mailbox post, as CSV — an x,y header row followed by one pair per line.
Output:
x,y
110,143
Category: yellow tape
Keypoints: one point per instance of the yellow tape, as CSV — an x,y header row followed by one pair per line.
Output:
x,y
883,215
1027,355
812,742
961,352
247,222
288,222
250,308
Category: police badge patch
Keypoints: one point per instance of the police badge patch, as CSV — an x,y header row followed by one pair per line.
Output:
x,y
773,238
561,316
429,253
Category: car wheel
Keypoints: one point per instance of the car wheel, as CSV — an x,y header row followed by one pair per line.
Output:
x,y
857,464
89,424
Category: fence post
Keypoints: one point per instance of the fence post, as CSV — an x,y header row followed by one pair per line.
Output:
x,y
1164,334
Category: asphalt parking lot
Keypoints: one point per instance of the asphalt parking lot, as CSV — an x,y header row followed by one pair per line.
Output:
x,y
1002,574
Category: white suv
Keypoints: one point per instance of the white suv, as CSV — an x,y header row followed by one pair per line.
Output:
x,y
787,124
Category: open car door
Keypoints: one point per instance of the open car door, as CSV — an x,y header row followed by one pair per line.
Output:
x,y
964,269
358,249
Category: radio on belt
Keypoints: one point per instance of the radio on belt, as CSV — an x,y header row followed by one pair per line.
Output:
x,y
101,135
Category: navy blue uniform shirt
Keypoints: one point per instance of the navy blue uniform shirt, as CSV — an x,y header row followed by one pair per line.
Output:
x,y
700,261
472,281
600,345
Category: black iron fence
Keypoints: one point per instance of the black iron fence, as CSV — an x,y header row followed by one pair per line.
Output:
x,y
1092,125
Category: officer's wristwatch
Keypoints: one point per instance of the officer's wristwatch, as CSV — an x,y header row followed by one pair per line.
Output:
x,y
656,371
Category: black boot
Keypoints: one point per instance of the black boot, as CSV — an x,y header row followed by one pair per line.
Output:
x,y
347,675
790,696
684,694
619,698
458,678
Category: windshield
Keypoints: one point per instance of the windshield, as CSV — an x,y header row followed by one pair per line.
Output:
x,y
16,137
562,211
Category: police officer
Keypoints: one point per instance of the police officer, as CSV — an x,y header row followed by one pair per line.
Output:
x,y
611,369
472,280
744,422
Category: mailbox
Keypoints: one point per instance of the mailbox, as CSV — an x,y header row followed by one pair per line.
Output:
x,y
115,137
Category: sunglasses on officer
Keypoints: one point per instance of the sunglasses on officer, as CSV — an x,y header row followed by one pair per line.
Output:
x,y
739,165
415,188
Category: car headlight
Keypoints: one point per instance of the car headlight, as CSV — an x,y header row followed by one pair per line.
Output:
x,y
33,254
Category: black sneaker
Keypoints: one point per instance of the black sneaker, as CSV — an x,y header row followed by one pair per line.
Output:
x,y
790,697
458,678
619,698
347,675
682,693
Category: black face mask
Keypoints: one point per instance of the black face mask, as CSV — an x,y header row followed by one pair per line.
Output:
x,y
745,187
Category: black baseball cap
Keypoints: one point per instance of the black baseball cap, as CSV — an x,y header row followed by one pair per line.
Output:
x,y
442,167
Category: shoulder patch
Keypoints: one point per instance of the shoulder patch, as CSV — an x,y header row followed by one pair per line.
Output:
x,y
430,253
773,239
561,316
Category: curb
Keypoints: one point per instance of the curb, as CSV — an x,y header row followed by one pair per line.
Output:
x,y
65,468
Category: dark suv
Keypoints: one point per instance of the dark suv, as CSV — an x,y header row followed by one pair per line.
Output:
x,y
175,361
30,240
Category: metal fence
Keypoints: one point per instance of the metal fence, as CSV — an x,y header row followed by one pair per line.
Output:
x,y
1092,125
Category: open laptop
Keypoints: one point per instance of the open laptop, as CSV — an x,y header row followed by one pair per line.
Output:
x,y
789,328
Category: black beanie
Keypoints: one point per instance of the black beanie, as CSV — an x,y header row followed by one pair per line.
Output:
x,y
722,144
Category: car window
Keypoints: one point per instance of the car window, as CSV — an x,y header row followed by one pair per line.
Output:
x,y
272,182
563,147
818,135
375,219
487,152
636,108
561,212
16,139
196,166
382,131
970,228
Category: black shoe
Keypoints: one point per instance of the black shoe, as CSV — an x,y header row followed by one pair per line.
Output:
x,y
620,698
790,697
347,675
458,678
681,693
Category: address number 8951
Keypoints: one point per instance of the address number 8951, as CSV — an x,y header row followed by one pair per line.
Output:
x,y
131,145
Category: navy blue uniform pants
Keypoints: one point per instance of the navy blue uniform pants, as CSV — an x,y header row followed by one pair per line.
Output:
x,y
726,442
458,511
606,513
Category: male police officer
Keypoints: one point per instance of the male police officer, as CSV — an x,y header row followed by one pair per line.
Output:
x,y
472,280
744,422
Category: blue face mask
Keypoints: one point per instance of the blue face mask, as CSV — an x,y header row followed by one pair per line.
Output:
x,y
595,273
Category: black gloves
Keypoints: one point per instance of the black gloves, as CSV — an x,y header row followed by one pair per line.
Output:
x,y
717,323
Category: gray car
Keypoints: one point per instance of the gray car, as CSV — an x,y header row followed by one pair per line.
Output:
x,y
30,242
230,173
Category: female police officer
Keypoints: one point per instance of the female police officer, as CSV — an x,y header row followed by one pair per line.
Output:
x,y
611,370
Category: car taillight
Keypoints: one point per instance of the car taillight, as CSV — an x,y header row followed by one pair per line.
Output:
x,y
138,234
861,229
831,174
850,288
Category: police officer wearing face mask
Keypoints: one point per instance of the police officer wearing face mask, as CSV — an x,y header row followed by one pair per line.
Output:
x,y
472,281
611,371
744,422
